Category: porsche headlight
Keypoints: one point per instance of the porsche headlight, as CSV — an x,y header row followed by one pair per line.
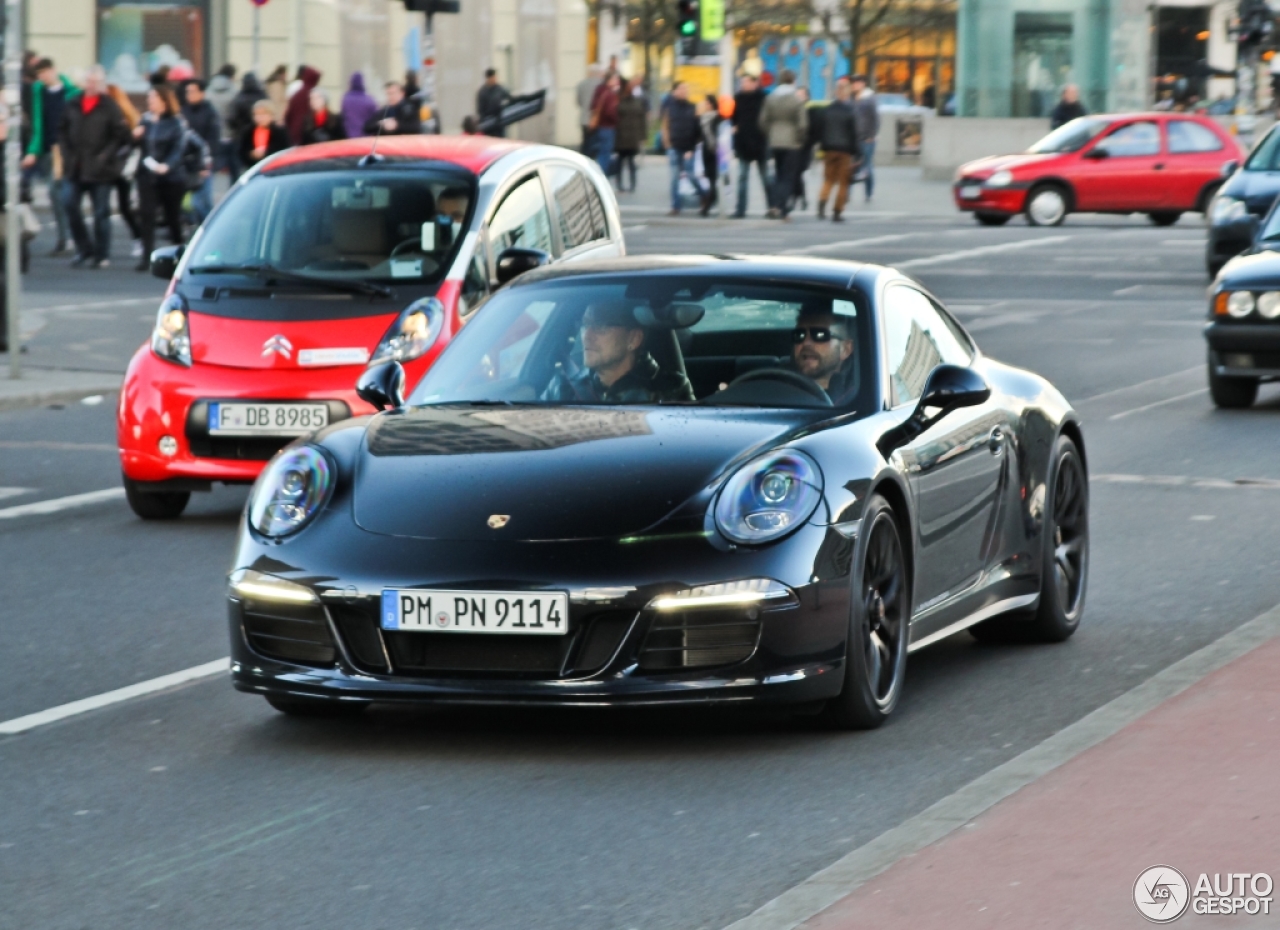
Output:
x,y
1240,304
768,497
413,332
1000,179
1227,210
1269,304
171,339
290,491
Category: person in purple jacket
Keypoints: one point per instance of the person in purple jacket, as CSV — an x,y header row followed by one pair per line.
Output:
x,y
357,107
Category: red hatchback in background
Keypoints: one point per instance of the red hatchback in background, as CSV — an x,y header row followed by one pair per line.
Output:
x,y
322,261
1161,164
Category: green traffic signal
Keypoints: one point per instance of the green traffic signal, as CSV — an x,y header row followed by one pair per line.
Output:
x,y
688,28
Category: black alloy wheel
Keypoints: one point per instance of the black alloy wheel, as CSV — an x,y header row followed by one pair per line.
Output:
x,y
879,624
993,219
1231,393
1064,570
155,505
1164,217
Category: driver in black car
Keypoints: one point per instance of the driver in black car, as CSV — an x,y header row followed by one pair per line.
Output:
x,y
616,369
820,345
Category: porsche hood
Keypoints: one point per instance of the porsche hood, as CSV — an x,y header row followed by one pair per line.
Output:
x,y
547,473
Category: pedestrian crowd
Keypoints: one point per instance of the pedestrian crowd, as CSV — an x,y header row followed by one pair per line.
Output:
x,y
87,140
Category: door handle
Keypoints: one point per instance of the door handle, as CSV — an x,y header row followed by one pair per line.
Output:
x,y
995,442
1158,166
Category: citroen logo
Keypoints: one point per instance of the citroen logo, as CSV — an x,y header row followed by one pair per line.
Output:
x,y
498,520
279,345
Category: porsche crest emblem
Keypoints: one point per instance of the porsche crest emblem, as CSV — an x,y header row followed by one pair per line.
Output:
x,y
498,520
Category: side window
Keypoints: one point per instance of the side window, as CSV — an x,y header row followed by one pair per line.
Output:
x,y
1141,138
918,338
578,208
475,285
523,220
1186,137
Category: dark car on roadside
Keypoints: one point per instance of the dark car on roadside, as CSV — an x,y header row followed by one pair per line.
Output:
x,y
1244,319
1241,203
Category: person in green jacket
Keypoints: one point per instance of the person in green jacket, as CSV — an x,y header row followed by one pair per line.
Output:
x,y
45,101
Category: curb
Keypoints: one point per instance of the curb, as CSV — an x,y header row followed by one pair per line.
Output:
x,y
41,397
823,889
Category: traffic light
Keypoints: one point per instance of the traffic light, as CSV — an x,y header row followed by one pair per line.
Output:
x,y
687,26
1257,23
431,7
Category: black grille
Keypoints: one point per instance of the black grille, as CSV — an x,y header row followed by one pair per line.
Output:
x,y
589,645
293,634
699,639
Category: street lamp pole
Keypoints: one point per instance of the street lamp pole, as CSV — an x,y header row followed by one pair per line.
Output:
x,y
13,179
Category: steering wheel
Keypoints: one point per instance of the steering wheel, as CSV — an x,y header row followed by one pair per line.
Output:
x,y
793,378
416,242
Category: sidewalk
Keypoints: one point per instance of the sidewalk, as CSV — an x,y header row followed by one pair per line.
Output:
x,y
1191,784
40,386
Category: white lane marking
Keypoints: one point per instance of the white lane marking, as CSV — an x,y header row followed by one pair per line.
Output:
x,y
42,508
640,228
13,492
1198,243
63,711
1159,403
1187,481
980,251
58,446
93,306
1130,387
849,243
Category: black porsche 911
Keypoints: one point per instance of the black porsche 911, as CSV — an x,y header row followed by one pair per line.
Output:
x,y
1244,319
664,481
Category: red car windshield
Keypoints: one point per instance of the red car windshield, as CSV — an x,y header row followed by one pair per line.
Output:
x,y
364,225
1069,138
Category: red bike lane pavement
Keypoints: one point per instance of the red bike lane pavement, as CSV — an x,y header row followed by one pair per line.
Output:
x,y
1193,784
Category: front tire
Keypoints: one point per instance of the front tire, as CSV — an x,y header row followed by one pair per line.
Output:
x,y
879,625
155,505
1047,205
1164,217
1064,571
992,219
1231,393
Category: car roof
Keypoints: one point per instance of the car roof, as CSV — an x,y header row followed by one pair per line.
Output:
x,y
474,153
820,271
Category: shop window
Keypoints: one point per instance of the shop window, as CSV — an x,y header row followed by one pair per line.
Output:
x,y
136,38
1041,61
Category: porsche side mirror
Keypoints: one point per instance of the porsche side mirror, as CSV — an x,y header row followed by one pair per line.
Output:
x,y
382,386
514,262
1229,168
164,262
1096,153
948,388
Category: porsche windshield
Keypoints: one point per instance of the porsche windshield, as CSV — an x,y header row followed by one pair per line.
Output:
x,y
373,225
660,339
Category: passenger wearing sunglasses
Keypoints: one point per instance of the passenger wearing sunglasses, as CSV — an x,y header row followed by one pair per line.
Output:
x,y
820,344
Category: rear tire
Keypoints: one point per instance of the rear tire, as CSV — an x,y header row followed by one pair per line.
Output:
x,y
1165,217
1231,393
155,505
1064,572
314,707
879,624
992,219
1047,205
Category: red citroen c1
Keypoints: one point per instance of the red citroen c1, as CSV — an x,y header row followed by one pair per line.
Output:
x,y
1161,164
322,261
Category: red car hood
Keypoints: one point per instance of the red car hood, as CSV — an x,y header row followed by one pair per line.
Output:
x,y
234,343
985,167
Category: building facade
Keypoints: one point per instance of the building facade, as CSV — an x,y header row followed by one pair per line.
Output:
x,y
534,44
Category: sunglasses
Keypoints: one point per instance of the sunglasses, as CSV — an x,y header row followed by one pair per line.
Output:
x,y
819,334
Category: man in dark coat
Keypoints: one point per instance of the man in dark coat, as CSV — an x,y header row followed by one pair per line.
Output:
x,y
839,142
202,117
748,141
93,134
1069,107
490,100
400,117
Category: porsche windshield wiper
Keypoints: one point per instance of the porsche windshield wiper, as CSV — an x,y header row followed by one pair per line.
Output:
x,y
266,271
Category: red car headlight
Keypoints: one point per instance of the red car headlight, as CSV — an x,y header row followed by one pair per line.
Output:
x,y
171,338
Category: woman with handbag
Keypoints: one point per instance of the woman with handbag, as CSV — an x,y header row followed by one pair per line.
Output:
x,y
162,175
129,158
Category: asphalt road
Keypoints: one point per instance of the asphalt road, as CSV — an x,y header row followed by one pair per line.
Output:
x,y
201,807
